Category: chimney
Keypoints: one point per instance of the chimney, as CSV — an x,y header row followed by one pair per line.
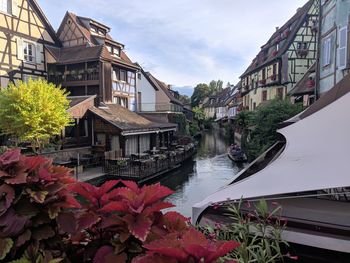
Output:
x,y
298,9
277,28
169,86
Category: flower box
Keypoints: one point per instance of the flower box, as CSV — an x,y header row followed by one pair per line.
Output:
x,y
310,83
274,53
302,52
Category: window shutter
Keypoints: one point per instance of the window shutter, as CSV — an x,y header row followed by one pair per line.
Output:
x,y
326,52
15,9
39,56
20,54
342,48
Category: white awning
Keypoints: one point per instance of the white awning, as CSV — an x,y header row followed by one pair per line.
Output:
x,y
317,156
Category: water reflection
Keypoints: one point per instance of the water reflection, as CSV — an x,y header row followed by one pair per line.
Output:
x,y
210,170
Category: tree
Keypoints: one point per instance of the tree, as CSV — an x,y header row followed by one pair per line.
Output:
x,y
184,99
263,123
215,86
200,92
199,113
34,111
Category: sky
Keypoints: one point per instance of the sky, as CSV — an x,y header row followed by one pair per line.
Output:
x,y
185,42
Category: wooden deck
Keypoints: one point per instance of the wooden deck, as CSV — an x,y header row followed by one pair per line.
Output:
x,y
140,171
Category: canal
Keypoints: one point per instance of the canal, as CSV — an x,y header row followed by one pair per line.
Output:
x,y
210,170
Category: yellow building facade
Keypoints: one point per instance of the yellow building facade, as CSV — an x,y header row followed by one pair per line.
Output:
x,y
283,60
24,33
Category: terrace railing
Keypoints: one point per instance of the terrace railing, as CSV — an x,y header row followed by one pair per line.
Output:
x,y
143,168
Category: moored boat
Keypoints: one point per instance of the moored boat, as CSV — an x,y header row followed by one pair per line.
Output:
x,y
237,156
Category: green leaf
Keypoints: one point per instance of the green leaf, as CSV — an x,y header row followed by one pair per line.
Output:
x,y
5,247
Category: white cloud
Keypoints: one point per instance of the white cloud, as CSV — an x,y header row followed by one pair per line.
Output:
x,y
185,42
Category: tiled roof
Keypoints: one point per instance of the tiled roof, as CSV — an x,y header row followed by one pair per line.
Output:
x,y
127,120
79,54
162,86
284,36
304,85
93,40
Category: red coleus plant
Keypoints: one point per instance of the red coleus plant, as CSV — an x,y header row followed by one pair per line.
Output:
x,y
190,246
32,194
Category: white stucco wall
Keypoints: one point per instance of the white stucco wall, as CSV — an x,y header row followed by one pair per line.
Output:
x,y
148,94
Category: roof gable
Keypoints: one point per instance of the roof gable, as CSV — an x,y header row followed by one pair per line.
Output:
x,y
284,36
39,12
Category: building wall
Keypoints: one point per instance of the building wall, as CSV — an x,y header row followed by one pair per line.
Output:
x,y
290,68
335,16
148,94
162,101
209,112
22,25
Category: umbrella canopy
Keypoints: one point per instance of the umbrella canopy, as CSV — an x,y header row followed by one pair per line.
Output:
x,y
316,157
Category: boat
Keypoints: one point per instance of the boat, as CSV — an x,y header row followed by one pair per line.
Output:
x,y
240,157
312,187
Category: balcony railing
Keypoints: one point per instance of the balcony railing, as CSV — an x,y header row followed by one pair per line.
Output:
x,y
74,77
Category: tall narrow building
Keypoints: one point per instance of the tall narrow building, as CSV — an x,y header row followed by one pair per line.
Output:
x,y
284,59
25,32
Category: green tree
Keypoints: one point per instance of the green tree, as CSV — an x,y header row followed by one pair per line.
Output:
x,y
199,113
33,111
262,125
184,99
200,92
215,86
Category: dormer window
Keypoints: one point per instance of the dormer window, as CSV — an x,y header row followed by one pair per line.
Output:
x,y
116,52
101,32
93,29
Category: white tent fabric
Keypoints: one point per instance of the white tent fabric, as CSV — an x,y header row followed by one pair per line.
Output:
x,y
317,156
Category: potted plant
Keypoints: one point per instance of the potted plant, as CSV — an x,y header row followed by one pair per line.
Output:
x,y
310,83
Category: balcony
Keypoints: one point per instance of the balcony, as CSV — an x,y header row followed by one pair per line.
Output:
x,y
59,78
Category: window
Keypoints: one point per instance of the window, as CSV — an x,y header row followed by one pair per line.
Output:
x,y
139,75
122,75
29,52
116,52
280,93
5,6
264,95
326,49
342,48
264,74
274,69
109,48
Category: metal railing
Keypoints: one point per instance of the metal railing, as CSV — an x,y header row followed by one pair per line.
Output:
x,y
143,168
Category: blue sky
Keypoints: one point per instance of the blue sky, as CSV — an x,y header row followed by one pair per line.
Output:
x,y
185,42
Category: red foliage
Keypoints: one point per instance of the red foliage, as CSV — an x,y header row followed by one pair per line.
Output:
x,y
191,246
116,222
32,194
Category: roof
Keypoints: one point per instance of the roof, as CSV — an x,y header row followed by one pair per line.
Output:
x,y
302,87
162,86
304,165
93,40
46,22
78,105
126,120
79,53
266,55
76,100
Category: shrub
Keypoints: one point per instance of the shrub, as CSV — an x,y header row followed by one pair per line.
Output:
x,y
33,193
256,228
41,221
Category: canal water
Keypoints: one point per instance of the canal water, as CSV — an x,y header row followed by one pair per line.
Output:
x,y
210,170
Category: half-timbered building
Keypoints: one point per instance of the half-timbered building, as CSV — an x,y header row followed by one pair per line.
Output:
x,y
334,60
91,62
24,34
284,59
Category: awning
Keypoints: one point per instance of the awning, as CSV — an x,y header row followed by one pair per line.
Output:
x,y
316,157
131,133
